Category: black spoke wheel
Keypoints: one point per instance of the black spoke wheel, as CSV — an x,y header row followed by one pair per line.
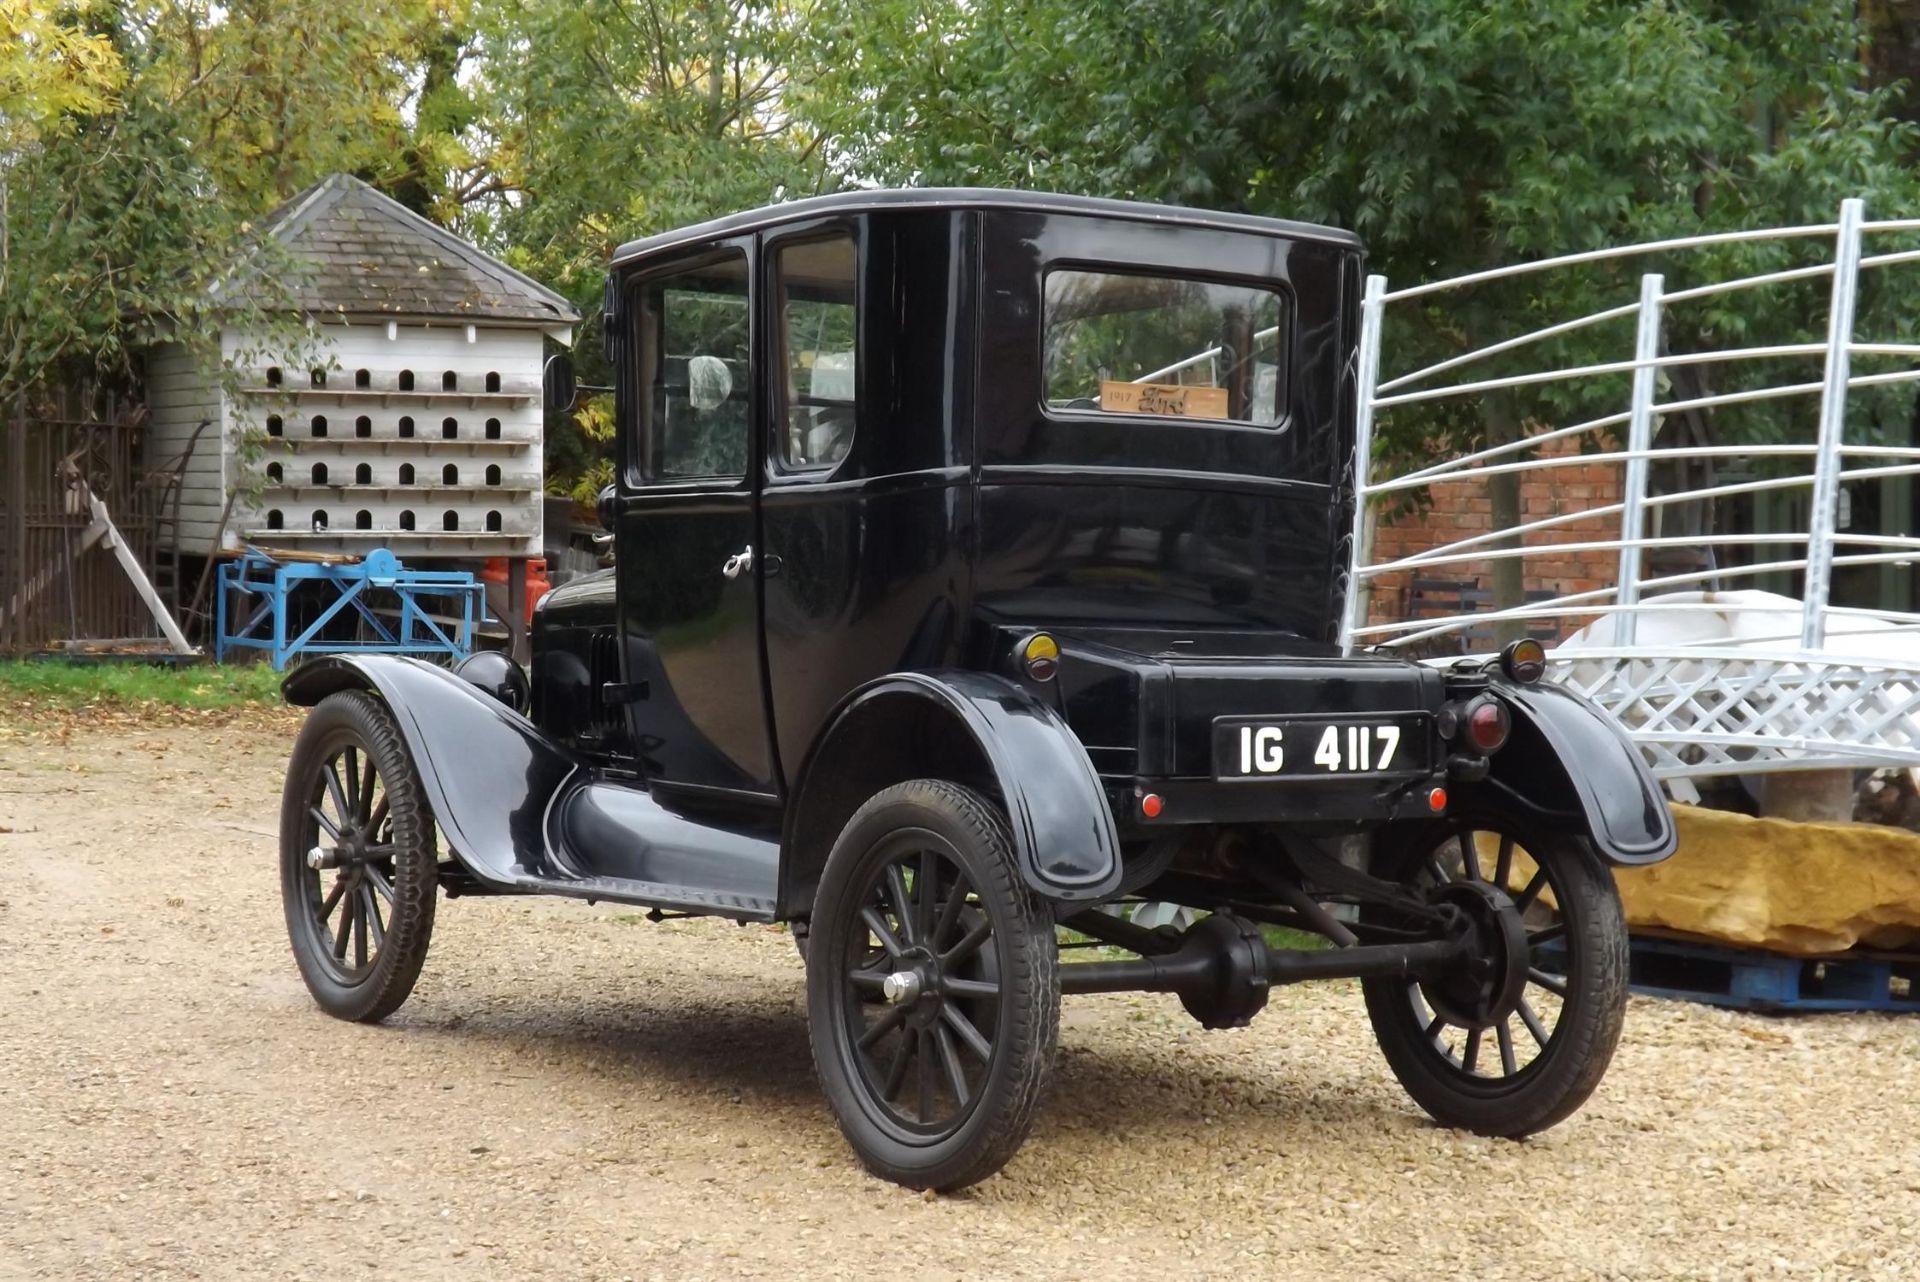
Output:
x,y
358,859
1518,1038
933,992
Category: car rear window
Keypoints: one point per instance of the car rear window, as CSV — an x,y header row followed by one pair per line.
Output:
x,y
1128,343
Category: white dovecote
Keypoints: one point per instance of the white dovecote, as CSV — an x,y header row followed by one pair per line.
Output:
x,y
422,433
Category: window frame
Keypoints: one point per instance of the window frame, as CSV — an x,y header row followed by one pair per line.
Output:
x,y
778,467
1283,374
637,421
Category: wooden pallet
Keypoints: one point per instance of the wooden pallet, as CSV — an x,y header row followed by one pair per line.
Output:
x,y
1750,979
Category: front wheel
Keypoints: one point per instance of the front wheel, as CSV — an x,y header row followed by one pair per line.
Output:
x,y
358,859
933,993
1517,1039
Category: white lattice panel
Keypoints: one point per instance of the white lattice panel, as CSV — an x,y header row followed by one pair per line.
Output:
x,y
1720,712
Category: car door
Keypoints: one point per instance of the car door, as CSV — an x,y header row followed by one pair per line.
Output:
x,y
688,586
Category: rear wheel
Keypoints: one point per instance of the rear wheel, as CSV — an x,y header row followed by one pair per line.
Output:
x,y
1518,1039
933,995
358,873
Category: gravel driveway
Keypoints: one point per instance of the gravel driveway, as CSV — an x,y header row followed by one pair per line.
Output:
x,y
576,1093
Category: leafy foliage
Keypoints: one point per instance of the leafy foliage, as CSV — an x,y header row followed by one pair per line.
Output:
x,y
1452,135
141,140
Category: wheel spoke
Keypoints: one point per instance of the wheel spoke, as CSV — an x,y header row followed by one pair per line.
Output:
x,y
926,889
950,1060
1503,1034
980,1046
902,904
1503,868
1527,896
950,911
1469,856
1552,983
327,825
1547,934
350,760
890,1019
1438,869
1433,1028
878,925
359,932
1470,1053
344,931
365,799
897,1070
340,806
1532,1021
332,900
379,881
378,816
953,987
372,911
925,1065
969,944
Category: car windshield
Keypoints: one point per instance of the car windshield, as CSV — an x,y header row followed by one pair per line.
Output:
x,y
1136,344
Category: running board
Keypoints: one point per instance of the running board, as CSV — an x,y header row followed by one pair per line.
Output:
x,y
680,899
611,839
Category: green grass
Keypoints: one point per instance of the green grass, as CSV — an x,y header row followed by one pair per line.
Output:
x,y
203,686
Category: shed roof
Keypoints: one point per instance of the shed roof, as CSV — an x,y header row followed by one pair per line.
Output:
x,y
370,255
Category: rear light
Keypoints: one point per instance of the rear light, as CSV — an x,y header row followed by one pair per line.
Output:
x,y
1040,656
1487,723
1524,661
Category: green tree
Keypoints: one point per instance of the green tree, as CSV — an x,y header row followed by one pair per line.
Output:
x,y
606,120
1453,135
141,140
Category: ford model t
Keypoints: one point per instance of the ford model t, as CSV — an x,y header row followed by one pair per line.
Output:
x,y
977,558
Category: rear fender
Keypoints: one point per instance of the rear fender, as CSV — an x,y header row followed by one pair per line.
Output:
x,y
489,774
1568,758
973,728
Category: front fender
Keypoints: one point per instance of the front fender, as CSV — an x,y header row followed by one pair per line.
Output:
x,y
488,772
1566,754
955,722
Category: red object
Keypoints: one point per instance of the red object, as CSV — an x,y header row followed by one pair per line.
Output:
x,y
495,571
1437,800
1151,805
1487,725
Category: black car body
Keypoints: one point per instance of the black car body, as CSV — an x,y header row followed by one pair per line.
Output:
x,y
1045,500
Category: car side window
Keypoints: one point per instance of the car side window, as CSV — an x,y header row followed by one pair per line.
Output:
x,y
815,290
695,331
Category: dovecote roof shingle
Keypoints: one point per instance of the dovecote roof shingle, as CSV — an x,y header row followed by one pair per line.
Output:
x,y
361,253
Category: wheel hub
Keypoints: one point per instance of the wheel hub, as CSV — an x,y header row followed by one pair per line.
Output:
x,y
915,984
1487,985
348,851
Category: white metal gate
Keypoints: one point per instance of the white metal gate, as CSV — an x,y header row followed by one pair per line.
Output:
x,y
1761,683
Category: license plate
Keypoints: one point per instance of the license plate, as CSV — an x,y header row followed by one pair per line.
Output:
x,y
1318,747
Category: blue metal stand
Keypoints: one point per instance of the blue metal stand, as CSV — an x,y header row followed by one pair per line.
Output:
x,y
256,573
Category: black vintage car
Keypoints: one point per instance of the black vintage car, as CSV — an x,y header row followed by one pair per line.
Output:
x,y
978,563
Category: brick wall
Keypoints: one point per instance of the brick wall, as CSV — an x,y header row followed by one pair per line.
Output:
x,y
1462,509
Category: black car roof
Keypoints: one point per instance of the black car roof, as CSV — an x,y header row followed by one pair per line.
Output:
x,y
979,198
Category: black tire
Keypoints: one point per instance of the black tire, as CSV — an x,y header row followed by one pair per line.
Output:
x,y
984,959
359,929
1576,942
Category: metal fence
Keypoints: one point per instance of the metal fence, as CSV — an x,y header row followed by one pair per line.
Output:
x,y
1727,681
51,589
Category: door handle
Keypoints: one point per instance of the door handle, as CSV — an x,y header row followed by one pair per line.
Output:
x,y
738,563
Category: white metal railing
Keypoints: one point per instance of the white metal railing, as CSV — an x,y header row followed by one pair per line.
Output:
x,y
1772,687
